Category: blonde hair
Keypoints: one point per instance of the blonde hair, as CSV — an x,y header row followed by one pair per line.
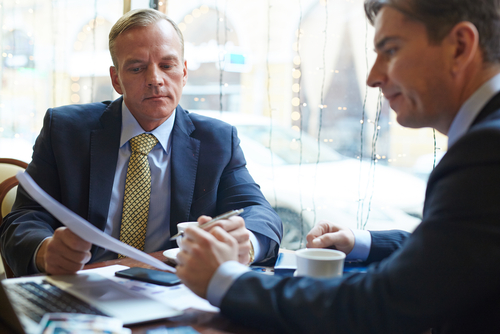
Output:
x,y
139,18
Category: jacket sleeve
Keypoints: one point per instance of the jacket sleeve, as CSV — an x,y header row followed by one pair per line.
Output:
x,y
444,275
237,189
384,243
28,223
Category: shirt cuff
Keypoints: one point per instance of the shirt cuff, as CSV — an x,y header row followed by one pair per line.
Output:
x,y
362,244
221,281
32,265
260,245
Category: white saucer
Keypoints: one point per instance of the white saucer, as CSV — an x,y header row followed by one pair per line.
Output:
x,y
171,254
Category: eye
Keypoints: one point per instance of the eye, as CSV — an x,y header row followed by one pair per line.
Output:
x,y
390,51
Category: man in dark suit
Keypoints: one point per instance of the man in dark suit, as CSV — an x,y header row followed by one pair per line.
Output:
x,y
438,66
81,156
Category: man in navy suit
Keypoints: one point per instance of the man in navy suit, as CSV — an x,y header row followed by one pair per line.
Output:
x,y
438,65
81,156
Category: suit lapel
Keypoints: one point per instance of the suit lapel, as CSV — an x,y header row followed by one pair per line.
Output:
x,y
492,106
184,164
104,145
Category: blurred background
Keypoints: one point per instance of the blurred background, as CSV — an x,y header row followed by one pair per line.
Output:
x,y
289,74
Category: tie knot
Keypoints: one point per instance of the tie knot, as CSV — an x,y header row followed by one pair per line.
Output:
x,y
143,143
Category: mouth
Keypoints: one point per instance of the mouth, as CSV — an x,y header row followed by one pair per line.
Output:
x,y
155,97
392,96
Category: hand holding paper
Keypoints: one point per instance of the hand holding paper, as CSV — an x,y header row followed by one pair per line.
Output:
x,y
82,228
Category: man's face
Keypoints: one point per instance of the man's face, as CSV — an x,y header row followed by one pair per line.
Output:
x,y
151,72
413,74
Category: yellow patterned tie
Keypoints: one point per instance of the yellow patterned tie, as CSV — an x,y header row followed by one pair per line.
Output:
x,y
137,192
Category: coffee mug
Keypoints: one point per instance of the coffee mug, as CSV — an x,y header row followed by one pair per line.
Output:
x,y
319,262
181,227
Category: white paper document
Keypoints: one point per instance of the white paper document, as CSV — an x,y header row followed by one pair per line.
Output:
x,y
178,297
83,228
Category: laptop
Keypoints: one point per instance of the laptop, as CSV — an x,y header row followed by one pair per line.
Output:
x,y
24,300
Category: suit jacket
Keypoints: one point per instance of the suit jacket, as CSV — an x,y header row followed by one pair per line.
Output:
x,y
74,160
445,276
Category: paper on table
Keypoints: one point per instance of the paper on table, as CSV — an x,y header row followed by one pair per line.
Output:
x,y
82,228
178,297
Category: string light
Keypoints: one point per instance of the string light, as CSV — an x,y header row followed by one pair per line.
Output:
x,y
54,33
204,9
93,27
295,116
269,106
373,162
301,128
321,106
196,13
362,122
434,148
222,53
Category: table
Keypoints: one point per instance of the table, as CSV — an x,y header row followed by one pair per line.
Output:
x,y
202,321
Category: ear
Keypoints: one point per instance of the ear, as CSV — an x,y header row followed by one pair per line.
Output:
x,y
464,39
185,73
115,81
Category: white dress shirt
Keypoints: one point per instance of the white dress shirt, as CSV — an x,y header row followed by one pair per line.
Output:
x,y
158,227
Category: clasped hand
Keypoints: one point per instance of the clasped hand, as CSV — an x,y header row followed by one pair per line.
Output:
x,y
330,235
202,252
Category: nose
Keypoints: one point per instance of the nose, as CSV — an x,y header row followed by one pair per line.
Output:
x,y
154,77
378,75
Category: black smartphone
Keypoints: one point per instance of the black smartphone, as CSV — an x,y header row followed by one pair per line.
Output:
x,y
150,276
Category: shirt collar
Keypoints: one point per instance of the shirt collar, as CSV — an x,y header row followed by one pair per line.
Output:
x,y
132,128
471,108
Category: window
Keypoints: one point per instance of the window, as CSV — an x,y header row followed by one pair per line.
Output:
x,y
289,74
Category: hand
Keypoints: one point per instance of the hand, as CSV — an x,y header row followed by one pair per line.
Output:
x,y
201,254
235,226
63,253
330,235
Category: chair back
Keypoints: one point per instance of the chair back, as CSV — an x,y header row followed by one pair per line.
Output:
x,y
8,188
8,170
10,167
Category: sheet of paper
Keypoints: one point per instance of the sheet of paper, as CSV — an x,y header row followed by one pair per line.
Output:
x,y
178,297
83,228
108,271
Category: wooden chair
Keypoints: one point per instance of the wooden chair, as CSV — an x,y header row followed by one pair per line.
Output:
x,y
8,183
8,189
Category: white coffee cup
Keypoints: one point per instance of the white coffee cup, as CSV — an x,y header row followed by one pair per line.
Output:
x,y
319,262
181,227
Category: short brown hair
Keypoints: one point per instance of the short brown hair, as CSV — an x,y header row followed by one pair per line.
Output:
x,y
440,16
139,18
